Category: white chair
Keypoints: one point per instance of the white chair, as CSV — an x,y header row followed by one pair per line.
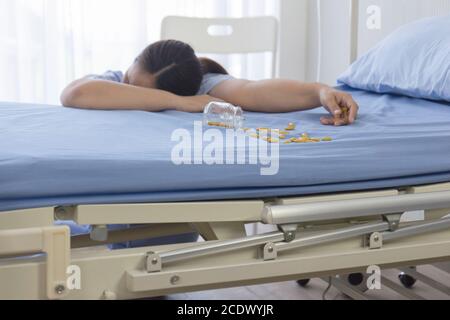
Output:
x,y
225,35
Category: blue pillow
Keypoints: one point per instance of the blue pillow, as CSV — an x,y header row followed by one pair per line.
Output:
x,y
413,61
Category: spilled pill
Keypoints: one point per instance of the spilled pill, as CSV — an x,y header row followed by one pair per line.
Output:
x,y
291,127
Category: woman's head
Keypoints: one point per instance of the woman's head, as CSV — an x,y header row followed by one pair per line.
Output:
x,y
167,65
172,66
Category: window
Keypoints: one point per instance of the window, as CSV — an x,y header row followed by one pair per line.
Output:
x,y
45,44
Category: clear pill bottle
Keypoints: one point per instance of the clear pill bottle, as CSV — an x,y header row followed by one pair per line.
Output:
x,y
224,114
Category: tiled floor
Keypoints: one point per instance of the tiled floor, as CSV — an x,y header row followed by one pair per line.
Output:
x,y
315,290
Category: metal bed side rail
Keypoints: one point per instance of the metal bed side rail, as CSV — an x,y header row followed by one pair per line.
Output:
x,y
275,243
344,209
155,261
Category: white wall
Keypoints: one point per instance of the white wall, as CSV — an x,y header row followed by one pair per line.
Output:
x,y
299,43
395,14
293,42
335,40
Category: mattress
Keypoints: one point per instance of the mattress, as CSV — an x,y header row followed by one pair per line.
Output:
x,y
52,156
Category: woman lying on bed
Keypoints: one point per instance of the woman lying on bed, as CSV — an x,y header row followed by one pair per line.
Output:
x,y
168,75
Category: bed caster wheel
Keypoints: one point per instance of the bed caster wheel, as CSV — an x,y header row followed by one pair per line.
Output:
x,y
358,281
407,281
303,283
355,279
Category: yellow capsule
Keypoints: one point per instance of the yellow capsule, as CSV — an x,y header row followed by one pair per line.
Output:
x,y
271,140
219,124
327,139
345,112
284,132
291,127
282,136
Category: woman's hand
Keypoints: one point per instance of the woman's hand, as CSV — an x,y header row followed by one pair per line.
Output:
x,y
342,107
195,104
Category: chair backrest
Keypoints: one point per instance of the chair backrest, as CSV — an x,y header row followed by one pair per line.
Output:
x,y
225,35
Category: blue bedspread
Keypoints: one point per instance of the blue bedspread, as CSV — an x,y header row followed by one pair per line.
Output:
x,y
53,156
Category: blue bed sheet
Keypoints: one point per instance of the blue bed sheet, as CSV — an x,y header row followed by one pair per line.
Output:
x,y
51,156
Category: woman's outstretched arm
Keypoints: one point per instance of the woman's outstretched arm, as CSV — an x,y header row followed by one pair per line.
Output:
x,y
107,95
275,96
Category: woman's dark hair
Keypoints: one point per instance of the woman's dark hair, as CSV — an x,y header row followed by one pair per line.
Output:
x,y
176,68
174,65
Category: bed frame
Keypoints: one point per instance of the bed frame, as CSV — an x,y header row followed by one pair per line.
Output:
x,y
315,236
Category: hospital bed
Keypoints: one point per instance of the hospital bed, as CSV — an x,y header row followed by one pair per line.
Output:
x,y
334,207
